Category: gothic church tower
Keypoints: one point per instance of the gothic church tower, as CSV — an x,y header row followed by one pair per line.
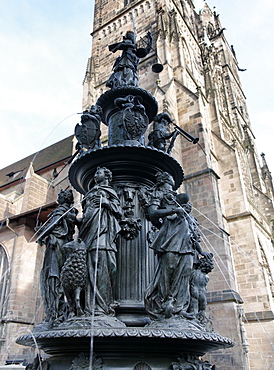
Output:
x,y
233,196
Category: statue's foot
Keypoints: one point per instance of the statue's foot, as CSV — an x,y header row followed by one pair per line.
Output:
x,y
79,312
187,315
71,314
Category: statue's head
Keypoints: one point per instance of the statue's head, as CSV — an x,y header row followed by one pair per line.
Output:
x,y
65,196
130,36
164,116
183,198
102,174
206,264
164,178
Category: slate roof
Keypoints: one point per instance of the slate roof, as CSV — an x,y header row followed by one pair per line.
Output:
x,y
54,153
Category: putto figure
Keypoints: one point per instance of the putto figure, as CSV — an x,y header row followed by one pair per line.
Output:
x,y
59,232
168,295
158,137
99,229
198,283
125,66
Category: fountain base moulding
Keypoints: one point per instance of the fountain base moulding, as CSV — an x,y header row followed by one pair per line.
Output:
x,y
156,347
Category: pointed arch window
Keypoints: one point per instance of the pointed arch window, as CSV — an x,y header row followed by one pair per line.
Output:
x,y
4,279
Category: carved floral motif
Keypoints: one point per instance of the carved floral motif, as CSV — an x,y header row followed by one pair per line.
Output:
x,y
189,362
81,362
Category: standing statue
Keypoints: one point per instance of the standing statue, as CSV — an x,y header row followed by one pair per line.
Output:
x,y
99,229
158,137
59,231
125,66
168,294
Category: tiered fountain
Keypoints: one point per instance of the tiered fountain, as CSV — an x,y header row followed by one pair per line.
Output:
x,y
129,291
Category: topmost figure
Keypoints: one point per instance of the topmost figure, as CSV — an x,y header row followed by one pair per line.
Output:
x,y
125,66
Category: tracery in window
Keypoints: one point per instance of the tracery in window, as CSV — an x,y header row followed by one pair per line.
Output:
x,y
4,278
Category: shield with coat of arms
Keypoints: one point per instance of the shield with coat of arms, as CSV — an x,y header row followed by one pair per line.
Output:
x,y
88,132
135,122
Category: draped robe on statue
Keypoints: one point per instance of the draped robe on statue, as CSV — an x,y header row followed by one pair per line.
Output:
x,y
173,245
99,231
60,231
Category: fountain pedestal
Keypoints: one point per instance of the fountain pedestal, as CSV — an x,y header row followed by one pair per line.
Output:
x,y
132,341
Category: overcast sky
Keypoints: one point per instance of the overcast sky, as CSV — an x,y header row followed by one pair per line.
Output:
x,y
45,45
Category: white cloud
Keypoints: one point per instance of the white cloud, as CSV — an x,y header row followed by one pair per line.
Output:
x,y
46,47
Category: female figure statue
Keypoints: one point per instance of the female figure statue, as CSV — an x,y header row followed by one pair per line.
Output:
x,y
168,294
60,231
99,229
125,66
